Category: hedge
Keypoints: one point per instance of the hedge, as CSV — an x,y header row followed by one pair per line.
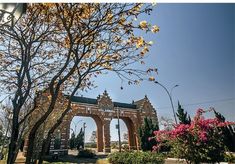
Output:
x,y
136,158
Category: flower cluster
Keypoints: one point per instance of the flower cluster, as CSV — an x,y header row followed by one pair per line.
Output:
x,y
189,141
200,128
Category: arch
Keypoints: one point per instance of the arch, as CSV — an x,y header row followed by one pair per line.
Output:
x,y
132,136
99,133
103,110
99,126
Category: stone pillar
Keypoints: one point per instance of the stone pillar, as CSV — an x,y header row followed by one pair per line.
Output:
x,y
132,145
138,124
106,127
131,133
131,137
137,141
99,134
64,129
52,144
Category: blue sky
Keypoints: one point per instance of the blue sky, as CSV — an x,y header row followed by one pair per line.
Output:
x,y
195,49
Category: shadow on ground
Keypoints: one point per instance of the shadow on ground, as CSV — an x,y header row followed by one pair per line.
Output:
x,y
73,159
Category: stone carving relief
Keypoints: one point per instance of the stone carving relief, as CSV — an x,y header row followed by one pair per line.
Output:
x,y
104,102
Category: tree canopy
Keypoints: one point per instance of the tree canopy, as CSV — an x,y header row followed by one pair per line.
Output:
x,y
62,48
182,115
146,133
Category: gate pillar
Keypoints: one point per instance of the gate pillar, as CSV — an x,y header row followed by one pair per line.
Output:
x,y
107,148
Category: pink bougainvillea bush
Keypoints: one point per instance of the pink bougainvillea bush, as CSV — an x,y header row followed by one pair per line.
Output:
x,y
199,141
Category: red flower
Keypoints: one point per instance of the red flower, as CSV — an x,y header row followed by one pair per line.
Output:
x,y
200,130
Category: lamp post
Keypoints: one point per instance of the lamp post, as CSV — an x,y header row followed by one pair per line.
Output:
x,y
84,127
170,97
118,127
75,125
72,130
10,13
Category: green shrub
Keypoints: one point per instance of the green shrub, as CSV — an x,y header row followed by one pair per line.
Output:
x,y
125,147
145,132
135,158
91,145
229,157
86,153
114,145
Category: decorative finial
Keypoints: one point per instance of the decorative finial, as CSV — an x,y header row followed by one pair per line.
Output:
x,y
105,92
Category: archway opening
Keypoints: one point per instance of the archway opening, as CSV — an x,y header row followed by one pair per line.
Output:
x,y
85,134
114,135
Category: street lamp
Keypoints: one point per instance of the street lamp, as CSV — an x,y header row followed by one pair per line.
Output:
x,y
170,96
84,127
72,130
118,127
10,13
76,126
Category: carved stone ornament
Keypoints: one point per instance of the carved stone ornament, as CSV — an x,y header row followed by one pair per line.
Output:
x,y
105,102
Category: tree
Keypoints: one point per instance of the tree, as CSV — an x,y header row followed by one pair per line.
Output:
x,y
228,133
72,141
80,140
121,54
24,66
1,135
146,132
182,115
63,47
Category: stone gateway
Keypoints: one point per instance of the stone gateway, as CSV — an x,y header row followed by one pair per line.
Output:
x,y
103,110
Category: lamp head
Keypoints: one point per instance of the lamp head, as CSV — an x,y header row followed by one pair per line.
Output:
x,y
10,13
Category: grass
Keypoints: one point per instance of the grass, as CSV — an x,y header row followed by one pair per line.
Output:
x,y
102,161
3,161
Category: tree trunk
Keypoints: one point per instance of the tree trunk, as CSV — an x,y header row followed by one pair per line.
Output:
x,y
51,131
48,139
45,145
33,132
30,147
12,152
44,117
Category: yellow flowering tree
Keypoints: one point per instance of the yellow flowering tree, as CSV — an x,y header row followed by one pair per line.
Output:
x,y
64,47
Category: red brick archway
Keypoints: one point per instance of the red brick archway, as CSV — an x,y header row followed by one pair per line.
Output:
x,y
103,110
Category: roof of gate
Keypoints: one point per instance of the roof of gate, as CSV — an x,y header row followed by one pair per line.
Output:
x,y
124,105
87,100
